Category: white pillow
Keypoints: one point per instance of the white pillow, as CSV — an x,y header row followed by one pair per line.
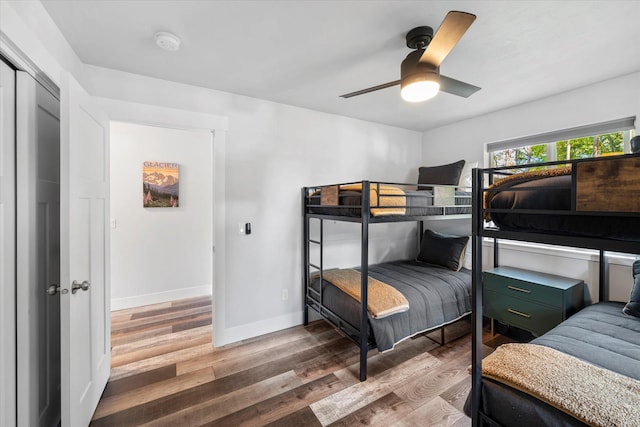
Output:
x,y
468,257
465,176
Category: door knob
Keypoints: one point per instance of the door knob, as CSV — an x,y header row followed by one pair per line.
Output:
x,y
75,286
54,289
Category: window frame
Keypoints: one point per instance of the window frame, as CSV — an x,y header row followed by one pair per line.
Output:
x,y
549,139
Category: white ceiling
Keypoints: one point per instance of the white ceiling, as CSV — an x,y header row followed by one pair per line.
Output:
x,y
307,53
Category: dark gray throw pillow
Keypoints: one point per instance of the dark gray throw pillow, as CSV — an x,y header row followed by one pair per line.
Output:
x,y
633,306
445,251
443,174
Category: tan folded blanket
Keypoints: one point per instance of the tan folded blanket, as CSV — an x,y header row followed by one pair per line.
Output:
x,y
389,196
382,300
519,178
594,395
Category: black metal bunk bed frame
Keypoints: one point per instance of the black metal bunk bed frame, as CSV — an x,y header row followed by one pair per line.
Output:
x,y
358,335
480,232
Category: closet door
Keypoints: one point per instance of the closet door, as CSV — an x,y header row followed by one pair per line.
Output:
x,y
7,247
38,253
84,241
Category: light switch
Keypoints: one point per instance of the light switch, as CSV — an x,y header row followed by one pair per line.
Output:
x,y
244,228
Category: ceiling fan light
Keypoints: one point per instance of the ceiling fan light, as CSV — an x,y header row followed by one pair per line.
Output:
x,y
419,90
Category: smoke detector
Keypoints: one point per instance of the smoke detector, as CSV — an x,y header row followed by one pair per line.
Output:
x,y
167,41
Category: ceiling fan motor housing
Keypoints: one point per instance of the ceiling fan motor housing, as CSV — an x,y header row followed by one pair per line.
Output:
x,y
412,70
419,37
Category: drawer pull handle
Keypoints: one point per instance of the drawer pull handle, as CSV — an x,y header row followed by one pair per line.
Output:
x,y
513,288
518,313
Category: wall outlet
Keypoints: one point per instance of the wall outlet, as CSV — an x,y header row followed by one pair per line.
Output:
x,y
285,294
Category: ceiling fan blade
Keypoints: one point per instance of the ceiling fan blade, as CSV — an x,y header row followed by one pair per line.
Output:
x,y
456,87
371,89
453,27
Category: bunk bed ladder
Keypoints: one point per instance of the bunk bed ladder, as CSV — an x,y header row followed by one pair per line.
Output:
x,y
310,293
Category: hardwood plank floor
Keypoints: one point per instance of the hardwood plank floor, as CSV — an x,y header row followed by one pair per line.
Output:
x,y
165,372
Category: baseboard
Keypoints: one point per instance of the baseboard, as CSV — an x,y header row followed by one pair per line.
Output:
x,y
243,332
158,297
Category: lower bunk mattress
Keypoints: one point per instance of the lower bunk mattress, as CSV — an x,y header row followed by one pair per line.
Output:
x,y
436,297
599,335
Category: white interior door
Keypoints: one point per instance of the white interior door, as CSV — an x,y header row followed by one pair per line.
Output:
x,y
38,253
84,269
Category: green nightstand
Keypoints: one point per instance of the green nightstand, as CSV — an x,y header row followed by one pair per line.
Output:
x,y
529,300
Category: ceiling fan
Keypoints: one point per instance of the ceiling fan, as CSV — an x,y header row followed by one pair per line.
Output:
x,y
420,77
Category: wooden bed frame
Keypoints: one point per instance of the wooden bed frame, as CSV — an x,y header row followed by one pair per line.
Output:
x,y
329,195
604,186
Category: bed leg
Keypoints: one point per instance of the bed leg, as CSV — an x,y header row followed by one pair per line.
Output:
x,y
306,315
441,341
363,364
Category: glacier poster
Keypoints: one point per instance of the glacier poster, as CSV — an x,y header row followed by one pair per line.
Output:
x,y
160,185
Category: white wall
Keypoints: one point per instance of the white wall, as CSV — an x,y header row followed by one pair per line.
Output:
x,y
271,151
160,254
612,99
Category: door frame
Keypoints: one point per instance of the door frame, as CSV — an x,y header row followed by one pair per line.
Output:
x,y
152,115
8,272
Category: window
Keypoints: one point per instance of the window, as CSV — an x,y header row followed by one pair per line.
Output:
x,y
601,139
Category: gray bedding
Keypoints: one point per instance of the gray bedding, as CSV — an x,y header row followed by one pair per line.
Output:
x,y
602,335
599,334
436,296
554,194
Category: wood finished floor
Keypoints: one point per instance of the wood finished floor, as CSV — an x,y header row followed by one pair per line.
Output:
x,y
165,372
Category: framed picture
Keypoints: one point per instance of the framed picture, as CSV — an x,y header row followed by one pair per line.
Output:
x,y
160,185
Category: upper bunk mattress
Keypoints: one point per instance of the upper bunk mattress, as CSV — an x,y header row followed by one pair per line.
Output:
x,y
417,203
553,194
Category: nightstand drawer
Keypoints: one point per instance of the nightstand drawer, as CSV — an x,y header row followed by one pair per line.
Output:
x,y
528,315
520,289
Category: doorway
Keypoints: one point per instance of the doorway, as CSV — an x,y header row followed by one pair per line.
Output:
x,y
160,254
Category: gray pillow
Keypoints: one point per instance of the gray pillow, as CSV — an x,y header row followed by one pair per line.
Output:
x,y
444,174
445,251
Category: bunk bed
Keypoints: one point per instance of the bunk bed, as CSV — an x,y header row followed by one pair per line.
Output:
x,y
587,203
432,275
